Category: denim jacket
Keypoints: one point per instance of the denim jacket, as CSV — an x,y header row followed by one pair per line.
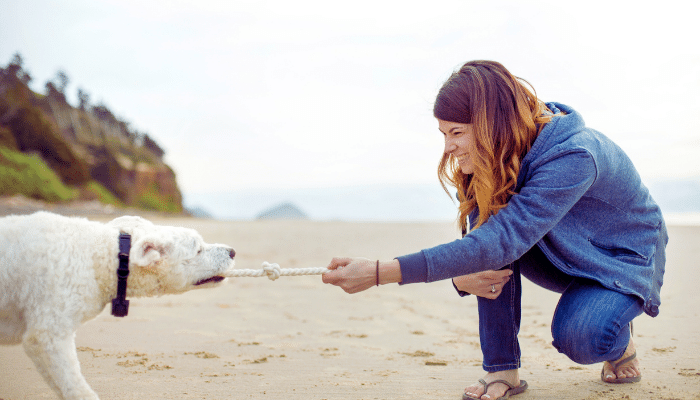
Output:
x,y
580,199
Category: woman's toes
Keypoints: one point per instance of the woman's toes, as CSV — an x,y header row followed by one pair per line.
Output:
x,y
475,390
628,372
608,373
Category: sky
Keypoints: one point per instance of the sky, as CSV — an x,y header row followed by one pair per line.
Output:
x,y
275,94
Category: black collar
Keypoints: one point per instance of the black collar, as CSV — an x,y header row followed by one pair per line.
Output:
x,y
120,305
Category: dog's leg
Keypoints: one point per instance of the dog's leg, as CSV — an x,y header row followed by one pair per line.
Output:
x,y
57,360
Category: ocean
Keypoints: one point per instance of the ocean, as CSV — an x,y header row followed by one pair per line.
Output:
x,y
678,199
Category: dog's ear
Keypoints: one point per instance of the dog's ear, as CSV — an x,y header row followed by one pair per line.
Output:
x,y
149,252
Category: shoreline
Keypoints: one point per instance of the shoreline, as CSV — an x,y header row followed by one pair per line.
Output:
x,y
19,204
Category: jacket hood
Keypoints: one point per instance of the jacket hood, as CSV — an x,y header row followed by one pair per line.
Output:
x,y
558,131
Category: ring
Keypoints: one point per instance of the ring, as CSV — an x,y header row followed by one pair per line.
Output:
x,y
493,288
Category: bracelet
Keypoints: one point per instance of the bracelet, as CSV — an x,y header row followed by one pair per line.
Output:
x,y
377,272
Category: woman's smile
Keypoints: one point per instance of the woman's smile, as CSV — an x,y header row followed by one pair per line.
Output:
x,y
462,158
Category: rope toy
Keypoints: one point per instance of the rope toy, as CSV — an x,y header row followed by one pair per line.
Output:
x,y
273,271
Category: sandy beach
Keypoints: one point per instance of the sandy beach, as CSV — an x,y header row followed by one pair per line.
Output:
x,y
296,338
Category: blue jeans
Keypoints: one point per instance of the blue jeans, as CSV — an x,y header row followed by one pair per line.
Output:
x,y
590,324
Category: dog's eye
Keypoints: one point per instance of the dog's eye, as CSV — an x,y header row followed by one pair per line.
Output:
x,y
199,251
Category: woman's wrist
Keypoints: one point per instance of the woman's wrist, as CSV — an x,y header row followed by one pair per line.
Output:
x,y
389,272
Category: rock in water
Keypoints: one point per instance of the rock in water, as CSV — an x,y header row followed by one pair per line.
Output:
x,y
283,211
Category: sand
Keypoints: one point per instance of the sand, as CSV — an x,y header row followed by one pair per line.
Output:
x,y
296,338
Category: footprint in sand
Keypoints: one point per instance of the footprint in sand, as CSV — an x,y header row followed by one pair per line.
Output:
x,y
664,349
202,354
419,353
141,360
689,372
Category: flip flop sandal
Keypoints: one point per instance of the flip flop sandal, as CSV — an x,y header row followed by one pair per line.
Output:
x,y
631,379
512,391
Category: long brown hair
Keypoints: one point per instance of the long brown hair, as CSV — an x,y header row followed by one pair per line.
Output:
x,y
506,116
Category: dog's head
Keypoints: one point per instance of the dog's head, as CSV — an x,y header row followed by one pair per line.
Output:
x,y
167,259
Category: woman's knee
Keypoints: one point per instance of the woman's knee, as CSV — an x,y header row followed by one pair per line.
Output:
x,y
585,342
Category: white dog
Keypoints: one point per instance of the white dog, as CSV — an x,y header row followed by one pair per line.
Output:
x,y
57,272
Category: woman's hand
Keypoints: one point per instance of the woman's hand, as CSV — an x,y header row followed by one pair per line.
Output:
x,y
357,274
486,284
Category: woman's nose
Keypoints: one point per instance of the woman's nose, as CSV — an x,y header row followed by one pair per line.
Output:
x,y
450,146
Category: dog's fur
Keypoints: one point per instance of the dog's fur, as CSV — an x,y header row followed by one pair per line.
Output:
x,y
57,272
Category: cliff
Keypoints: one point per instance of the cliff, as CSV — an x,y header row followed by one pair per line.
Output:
x,y
93,153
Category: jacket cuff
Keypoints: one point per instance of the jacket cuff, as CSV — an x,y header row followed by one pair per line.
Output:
x,y
414,268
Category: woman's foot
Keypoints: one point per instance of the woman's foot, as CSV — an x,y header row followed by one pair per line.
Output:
x,y
629,369
497,389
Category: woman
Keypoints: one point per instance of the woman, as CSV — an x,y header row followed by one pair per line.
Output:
x,y
543,196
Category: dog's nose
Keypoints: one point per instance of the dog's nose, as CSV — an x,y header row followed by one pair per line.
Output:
x,y
232,253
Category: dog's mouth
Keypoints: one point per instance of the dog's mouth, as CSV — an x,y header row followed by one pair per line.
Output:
x,y
213,279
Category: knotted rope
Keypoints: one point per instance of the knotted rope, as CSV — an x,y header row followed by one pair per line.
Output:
x,y
273,271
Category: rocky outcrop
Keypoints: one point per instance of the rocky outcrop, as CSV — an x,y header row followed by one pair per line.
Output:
x,y
86,145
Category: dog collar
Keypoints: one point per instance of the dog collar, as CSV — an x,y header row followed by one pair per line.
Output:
x,y
120,305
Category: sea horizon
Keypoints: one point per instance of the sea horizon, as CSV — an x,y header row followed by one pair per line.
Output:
x,y
395,202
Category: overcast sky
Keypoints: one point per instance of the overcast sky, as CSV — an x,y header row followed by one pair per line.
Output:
x,y
262,94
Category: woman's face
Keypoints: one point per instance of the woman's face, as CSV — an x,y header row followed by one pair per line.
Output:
x,y
459,143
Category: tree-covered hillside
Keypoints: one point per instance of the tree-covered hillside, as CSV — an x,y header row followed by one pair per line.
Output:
x,y
53,151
